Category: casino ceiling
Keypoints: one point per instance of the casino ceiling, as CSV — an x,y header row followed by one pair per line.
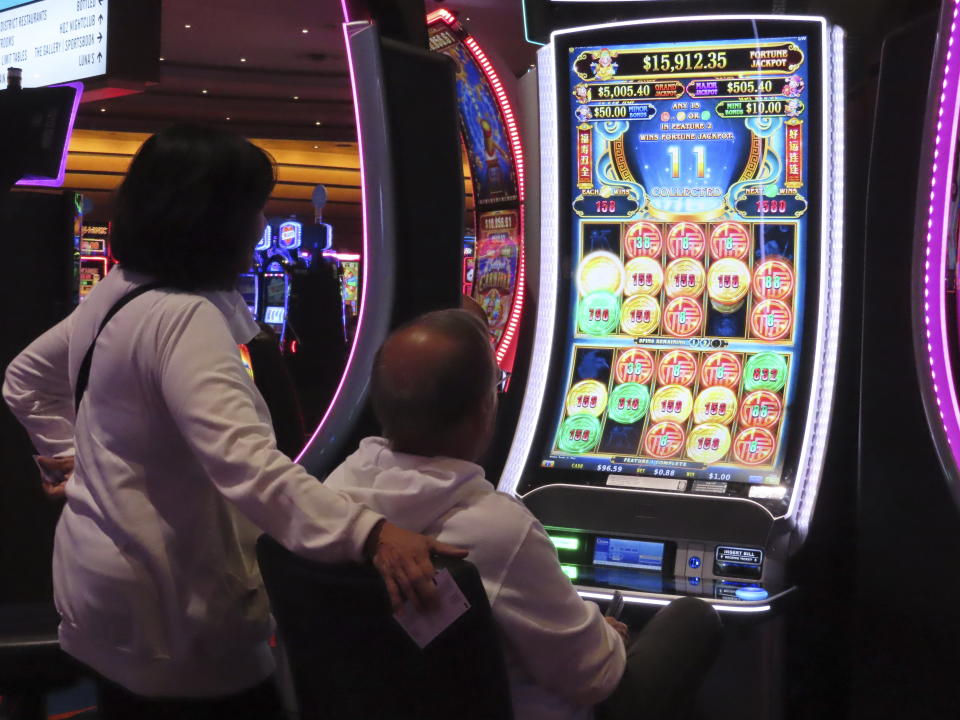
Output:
x,y
275,72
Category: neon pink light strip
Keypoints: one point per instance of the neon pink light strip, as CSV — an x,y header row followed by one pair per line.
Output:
x,y
935,267
366,248
341,256
61,174
506,111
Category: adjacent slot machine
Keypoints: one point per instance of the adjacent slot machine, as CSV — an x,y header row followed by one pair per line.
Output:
x,y
95,260
910,465
276,294
672,442
493,255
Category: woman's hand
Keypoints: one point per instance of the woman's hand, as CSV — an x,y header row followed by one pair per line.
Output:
x,y
403,560
54,472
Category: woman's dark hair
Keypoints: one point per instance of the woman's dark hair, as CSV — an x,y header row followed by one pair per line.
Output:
x,y
187,211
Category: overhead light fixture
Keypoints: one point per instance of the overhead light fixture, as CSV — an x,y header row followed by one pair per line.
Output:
x,y
296,97
204,92
318,123
162,59
304,31
227,118
243,59
103,109
187,26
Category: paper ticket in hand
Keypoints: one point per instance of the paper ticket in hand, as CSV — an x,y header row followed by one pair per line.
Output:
x,y
423,627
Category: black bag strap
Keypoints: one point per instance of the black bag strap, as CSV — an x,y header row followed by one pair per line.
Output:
x,y
83,376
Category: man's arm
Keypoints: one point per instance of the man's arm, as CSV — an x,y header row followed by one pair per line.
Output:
x,y
562,641
37,390
211,399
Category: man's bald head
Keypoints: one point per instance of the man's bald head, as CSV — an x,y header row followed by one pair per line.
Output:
x,y
431,376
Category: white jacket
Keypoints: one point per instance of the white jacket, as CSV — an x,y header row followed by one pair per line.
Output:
x,y
155,576
561,656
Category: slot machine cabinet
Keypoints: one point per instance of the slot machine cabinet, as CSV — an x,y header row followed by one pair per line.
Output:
x,y
493,253
412,204
95,259
42,287
908,646
688,314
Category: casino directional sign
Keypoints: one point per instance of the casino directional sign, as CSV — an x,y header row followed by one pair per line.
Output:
x,y
55,41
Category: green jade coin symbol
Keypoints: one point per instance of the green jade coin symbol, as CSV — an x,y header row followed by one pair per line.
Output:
x,y
765,371
628,403
599,313
579,433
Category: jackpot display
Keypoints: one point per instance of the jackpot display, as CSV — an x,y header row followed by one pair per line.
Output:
x,y
689,216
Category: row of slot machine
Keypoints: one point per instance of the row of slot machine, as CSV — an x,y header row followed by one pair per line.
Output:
x,y
279,254
285,253
674,420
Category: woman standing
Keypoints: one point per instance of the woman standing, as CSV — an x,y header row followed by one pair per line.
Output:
x,y
176,469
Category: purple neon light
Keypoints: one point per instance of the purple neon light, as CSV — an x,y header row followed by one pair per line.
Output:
x,y
366,253
58,180
935,262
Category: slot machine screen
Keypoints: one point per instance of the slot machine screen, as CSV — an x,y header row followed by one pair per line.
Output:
x,y
92,271
686,198
264,242
275,300
349,285
247,287
274,315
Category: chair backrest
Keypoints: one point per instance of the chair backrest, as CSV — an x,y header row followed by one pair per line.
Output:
x,y
350,659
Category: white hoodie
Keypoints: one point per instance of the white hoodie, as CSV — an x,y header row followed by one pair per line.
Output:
x,y
561,656
177,472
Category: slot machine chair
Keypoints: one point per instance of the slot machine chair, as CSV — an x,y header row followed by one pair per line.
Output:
x,y
350,659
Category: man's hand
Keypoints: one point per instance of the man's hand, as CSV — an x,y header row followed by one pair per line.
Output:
x,y
51,470
622,630
403,560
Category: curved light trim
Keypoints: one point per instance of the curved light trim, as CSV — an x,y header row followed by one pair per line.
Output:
x,y
817,428
62,171
377,214
547,299
937,370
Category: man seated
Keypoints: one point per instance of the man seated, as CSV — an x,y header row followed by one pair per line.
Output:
x,y
434,393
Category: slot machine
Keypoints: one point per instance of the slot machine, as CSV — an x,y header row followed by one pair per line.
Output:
x,y
276,295
909,528
95,261
494,269
249,283
690,263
